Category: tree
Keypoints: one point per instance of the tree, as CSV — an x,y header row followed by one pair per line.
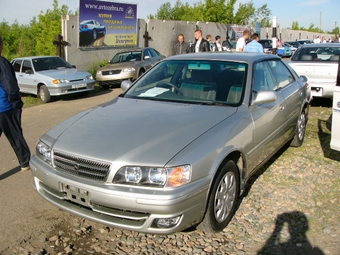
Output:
x,y
262,15
244,13
295,25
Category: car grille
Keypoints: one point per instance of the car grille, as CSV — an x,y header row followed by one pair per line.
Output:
x,y
81,167
111,72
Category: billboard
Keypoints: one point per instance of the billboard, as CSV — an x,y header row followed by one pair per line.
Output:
x,y
107,24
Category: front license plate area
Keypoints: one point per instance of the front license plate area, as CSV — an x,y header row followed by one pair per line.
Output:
x,y
77,195
77,86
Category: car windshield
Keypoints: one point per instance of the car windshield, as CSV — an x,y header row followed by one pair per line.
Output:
x,y
49,63
126,56
193,81
317,53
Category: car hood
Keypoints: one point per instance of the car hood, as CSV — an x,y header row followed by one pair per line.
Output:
x,y
119,65
136,131
65,73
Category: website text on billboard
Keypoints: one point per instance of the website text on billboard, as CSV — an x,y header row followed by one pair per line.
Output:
x,y
107,24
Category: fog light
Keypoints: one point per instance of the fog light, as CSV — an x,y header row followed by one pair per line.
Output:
x,y
166,222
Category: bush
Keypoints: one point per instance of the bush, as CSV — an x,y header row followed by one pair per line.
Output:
x,y
95,66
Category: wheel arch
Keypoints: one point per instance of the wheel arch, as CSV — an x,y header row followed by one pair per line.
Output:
x,y
39,85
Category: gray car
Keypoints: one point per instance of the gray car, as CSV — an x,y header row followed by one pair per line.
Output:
x,y
47,76
177,148
318,61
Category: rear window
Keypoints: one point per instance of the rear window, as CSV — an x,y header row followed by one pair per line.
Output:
x,y
317,53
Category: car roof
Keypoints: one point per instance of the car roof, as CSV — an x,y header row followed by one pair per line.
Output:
x,y
134,49
324,45
230,56
23,58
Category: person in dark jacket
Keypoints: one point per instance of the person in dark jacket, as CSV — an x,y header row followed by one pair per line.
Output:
x,y
181,46
10,112
200,45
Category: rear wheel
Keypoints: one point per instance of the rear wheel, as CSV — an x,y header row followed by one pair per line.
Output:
x,y
222,200
300,130
44,94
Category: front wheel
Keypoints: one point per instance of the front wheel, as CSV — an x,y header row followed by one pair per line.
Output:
x,y
44,94
300,130
222,199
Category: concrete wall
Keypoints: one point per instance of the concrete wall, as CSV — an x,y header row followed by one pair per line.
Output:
x,y
163,36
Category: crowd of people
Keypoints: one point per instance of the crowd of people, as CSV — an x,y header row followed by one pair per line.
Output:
x,y
317,39
207,44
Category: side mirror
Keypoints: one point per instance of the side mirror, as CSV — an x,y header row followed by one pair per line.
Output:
x,y
74,66
125,84
29,71
263,97
147,57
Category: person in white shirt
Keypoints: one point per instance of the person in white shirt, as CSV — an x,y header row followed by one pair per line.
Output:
x,y
241,42
317,40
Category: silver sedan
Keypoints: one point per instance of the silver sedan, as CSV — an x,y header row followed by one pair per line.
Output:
x,y
177,148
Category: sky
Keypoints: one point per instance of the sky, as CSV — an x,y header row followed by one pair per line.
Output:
x,y
305,12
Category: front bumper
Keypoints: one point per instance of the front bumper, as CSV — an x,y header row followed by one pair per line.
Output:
x,y
71,88
126,207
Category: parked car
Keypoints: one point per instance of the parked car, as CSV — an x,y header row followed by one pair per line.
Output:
x,y
91,29
304,41
127,65
267,45
335,135
296,44
291,47
318,61
47,76
178,146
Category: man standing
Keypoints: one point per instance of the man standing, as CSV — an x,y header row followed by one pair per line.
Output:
x,y
241,42
10,112
200,45
181,47
254,45
218,45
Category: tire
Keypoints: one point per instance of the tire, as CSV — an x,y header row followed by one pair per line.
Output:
x,y
300,130
94,34
222,199
44,94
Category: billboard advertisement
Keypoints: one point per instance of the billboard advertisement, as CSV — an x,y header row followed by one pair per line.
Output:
x,y
107,24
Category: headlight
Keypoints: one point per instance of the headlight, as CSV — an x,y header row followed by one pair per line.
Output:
x,y
89,77
43,151
99,72
60,81
128,69
154,176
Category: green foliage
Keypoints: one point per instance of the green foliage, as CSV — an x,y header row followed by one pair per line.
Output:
x,y
37,37
95,66
311,28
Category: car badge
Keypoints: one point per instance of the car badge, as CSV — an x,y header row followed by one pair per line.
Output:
x,y
76,167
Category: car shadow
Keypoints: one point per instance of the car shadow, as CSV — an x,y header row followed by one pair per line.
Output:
x,y
90,94
296,242
324,134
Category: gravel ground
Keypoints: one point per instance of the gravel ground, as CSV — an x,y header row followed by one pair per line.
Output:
x,y
291,206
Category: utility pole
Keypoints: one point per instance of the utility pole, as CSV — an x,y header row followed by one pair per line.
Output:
x,y
274,36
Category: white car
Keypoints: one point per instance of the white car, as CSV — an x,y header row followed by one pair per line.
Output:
x,y
335,135
47,76
319,62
